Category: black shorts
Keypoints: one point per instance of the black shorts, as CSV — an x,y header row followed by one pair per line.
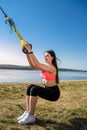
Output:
x,y
48,93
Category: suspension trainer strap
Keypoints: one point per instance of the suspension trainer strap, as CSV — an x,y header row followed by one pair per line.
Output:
x,y
12,25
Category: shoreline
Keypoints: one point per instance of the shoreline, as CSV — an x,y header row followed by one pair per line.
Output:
x,y
72,80
41,82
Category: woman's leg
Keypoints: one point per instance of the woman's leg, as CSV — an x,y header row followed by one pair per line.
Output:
x,y
33,91
32,104
27,102
31,99
28,115
28,96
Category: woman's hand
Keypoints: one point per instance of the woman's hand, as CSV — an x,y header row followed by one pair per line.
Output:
x,y
28,47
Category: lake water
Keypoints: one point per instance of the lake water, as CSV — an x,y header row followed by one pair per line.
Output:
x,y
7,75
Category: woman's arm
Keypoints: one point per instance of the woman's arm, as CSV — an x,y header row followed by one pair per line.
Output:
x,y
37,65
34,62
29,60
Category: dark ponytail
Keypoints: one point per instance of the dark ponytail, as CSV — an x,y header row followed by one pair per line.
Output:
x,y
54,62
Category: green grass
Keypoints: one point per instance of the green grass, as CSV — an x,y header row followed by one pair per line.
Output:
x,y
68,113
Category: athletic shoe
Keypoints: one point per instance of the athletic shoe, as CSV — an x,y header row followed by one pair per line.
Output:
x,y
23,115
27,119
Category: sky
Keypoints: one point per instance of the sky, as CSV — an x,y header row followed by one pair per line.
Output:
x,y
59,25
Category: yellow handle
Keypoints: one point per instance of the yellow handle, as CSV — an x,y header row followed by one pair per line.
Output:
x,y
22,43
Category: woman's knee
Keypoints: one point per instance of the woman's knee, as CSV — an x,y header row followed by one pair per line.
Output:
x,y
34,91
29,89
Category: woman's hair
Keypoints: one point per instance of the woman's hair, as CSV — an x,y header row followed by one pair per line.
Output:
x,y
54,62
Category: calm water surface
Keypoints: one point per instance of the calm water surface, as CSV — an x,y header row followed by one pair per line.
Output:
x,y
7,75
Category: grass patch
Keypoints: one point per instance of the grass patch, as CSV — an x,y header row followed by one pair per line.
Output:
x,y
68,113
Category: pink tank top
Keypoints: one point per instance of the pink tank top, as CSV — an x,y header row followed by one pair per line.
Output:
x,y
48,76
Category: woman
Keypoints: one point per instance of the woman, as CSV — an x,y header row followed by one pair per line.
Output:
x,y
49,74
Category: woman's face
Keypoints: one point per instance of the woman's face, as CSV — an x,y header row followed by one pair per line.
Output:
x,y
48,58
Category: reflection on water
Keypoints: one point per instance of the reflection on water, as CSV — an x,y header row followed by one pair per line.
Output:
x,y
7,75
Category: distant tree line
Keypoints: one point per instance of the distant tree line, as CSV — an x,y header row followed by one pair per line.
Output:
x,y
19,67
